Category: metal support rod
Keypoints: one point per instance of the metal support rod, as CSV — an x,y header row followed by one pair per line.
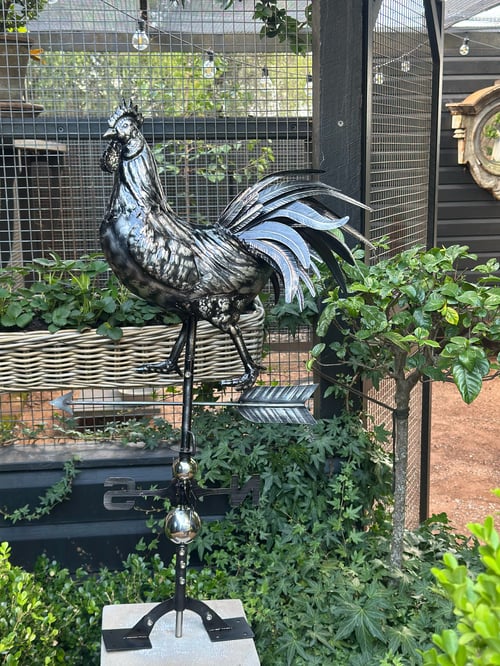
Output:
x,y
184,455
187,407
218,629
180,589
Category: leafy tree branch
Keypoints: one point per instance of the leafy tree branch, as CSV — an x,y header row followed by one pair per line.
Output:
x,y
416,316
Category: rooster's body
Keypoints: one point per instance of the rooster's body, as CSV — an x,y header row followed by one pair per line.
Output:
x,y
211,272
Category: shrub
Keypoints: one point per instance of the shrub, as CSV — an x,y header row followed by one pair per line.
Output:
x,y
309,562
28,629
476,599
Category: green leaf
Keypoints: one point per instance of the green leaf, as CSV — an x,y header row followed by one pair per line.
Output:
x,y
318,349
24,319
471,298
469,378
60,315
108,331
400,341
450,314
434,302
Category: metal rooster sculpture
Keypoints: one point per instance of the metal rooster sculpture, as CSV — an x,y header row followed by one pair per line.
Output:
x,y
213,272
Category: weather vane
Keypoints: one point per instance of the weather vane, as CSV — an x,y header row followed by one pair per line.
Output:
x,y
277,229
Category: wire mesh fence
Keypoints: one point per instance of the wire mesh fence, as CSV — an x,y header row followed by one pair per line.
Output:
x,y
223,107
400,172
401,120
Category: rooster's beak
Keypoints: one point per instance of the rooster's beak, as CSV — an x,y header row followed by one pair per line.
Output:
x,y
109,133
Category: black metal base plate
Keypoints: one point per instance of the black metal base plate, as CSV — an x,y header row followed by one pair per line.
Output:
x,y
237,628
118,640
228,629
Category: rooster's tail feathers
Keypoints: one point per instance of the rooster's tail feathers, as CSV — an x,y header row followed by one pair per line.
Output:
x,y
286,249
326,245
283,235
280,219
285,264
276,191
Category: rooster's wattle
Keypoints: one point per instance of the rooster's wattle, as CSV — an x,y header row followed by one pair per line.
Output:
x,y
213,272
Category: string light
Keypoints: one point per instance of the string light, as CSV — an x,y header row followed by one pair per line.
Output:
x,y
378,77
308,88
266,101
464,47
405,64
305,107
208,66
140,40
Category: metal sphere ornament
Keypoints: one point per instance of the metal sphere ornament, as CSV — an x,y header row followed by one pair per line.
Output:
x,y
184,468
182,524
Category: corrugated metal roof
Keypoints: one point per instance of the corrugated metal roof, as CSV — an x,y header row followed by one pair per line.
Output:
x,y
198,17
457,11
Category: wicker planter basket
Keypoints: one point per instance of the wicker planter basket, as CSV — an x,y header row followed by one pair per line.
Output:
x,y
39,360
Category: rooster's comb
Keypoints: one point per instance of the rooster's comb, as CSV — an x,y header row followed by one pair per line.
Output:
x,y
125,109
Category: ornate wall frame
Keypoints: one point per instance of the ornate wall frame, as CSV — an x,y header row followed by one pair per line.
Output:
x,y
476,124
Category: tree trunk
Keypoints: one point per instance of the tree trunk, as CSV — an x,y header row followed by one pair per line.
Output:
x,y
400,481
404,386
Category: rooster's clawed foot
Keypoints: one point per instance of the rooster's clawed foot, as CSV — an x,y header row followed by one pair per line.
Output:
x,y
247,380
163,367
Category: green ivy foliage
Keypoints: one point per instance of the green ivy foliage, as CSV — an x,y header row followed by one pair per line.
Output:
x,y
54,495
309,562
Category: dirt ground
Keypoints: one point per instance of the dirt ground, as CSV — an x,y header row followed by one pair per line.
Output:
x,y
465,454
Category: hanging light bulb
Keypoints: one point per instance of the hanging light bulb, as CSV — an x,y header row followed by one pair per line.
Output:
x,y
464,47
305,107
140,40
405,64
265,79
209,65
266,100
378,77
308,88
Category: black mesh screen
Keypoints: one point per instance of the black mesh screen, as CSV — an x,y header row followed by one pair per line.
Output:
x,y
400,169
401,120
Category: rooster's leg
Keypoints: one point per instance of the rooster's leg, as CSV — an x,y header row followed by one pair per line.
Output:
x,y
252,369
171,363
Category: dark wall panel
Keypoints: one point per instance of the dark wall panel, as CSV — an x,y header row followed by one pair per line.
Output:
x,y
467,214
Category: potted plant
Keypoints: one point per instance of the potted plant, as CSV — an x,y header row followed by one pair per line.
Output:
x,y
15,48
70,323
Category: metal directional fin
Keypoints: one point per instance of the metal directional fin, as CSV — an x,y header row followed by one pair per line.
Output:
x,y
260,404
277,404
64,402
